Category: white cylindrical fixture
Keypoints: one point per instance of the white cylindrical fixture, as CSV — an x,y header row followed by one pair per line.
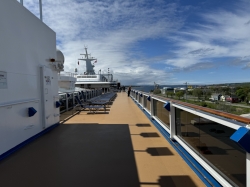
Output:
x,y
41,10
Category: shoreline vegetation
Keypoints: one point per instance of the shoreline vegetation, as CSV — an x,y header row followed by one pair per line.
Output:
x,y
205,96
222,106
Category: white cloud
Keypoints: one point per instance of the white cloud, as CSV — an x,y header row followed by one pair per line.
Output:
x,y
111,30
222,34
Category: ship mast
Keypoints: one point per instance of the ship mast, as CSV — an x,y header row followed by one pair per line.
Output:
x,y
89,66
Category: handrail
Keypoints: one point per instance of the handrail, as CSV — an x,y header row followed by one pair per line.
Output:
x,y
211,111
66,74
19,102
40,8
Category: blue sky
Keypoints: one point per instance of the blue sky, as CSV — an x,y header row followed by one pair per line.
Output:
x,y
162,41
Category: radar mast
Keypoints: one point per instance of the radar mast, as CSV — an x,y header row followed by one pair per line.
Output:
x,y
89,66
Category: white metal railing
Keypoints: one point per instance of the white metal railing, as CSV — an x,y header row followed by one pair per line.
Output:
x,y
68,101
19,102
40,7
220,120
66,74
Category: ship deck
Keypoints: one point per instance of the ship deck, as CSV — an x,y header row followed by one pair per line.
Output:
x,y
121,148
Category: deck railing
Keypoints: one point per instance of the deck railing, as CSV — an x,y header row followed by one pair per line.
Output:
x,y
40,8
68,101
204,133
68,74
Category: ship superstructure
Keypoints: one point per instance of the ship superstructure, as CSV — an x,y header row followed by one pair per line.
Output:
x,y
89,66
89,79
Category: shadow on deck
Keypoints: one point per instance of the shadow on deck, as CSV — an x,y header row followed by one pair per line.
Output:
x,y
90,155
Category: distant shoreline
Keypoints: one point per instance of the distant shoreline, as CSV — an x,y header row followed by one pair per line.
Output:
x,y
183,85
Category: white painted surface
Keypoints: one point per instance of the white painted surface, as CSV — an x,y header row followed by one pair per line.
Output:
x,y
48,96
3,80
89,78
248,169
93,84
14,123
66,83
162,125
172,120
26,45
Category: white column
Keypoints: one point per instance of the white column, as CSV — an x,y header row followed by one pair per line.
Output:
x,y
248,169
172,120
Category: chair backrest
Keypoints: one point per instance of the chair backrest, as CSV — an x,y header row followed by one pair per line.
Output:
x,y
78,101
84,96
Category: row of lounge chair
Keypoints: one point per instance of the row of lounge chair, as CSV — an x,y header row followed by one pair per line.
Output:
x,y
96,103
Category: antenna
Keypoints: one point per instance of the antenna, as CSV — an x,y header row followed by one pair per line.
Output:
x,y
89,65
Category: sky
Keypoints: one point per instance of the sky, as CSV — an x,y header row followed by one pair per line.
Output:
x,y
164,41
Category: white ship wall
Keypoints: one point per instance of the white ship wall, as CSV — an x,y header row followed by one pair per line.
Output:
x,y
89,78
26,44
66,82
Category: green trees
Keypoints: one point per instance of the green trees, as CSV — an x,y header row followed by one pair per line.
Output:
x,y
169,93
226,90
206,94
179,94
157,91
197,93
190,92
247,99
242,92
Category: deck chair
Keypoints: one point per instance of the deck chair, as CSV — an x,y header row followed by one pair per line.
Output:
x,y
93,107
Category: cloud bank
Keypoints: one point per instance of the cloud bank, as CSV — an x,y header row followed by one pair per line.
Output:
x,y
114,30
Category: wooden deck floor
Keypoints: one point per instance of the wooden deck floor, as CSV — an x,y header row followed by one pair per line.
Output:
x,y
119,149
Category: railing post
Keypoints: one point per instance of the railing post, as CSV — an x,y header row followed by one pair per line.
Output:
x,y
172,120
41,10
67,102
144,101
152,107
248,169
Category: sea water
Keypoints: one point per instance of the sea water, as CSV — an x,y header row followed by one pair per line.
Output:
x,y
148,88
